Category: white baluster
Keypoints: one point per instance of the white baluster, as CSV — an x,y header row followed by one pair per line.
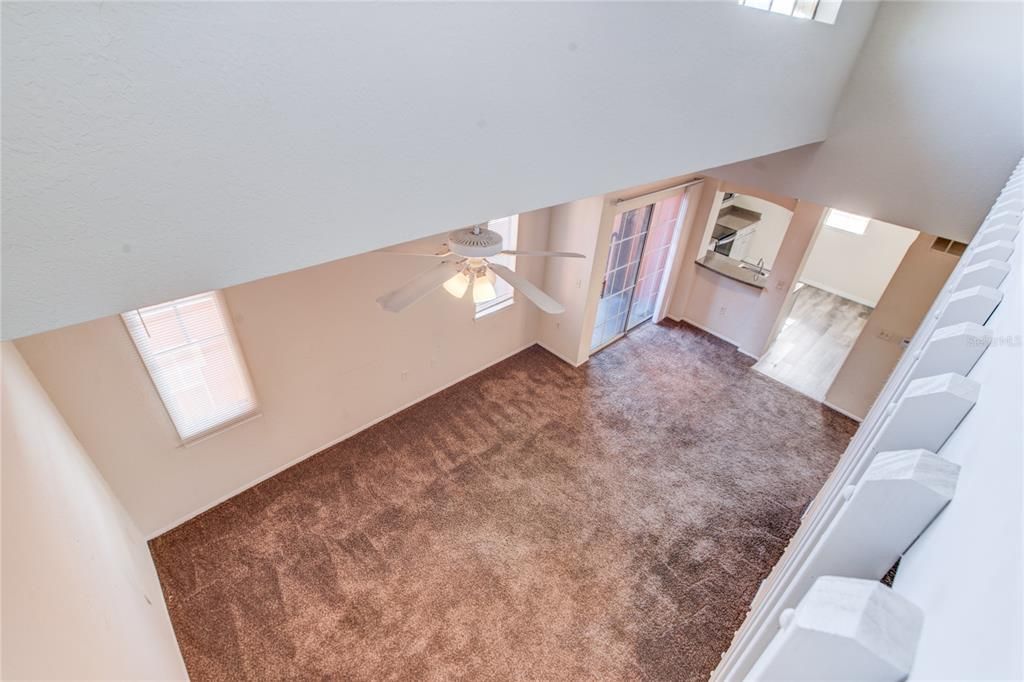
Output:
x,y
896,499
970,305
1000,216
927,413
1012,203
952,349
844,629
1003,231
997,250
989,273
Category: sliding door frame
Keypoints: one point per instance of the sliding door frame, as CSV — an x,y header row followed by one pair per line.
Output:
x,y
645,230
670,275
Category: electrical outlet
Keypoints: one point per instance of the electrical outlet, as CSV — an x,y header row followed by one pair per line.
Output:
x,y
579,283
721,311
405,375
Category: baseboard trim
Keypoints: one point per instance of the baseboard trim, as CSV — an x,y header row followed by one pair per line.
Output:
x,y
291,463
842,411
711,331
749,355
559,355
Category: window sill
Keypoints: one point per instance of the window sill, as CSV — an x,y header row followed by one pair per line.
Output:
x,y
494,308
219,429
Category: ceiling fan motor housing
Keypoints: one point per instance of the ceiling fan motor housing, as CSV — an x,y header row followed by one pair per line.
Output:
x,y
474,243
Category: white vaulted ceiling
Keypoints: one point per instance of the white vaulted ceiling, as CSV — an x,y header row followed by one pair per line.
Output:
x,y
902,146
153,150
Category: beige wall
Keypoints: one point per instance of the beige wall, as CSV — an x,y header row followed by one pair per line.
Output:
x,y
857,266
81,599
325,360
690,209
692,246
747,317
741,314
575,226
914,286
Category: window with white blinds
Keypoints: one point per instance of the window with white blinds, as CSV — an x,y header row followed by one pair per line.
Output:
x,y
824,11
192,355
508,228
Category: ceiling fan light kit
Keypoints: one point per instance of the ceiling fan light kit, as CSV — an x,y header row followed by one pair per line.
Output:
x,y
464,264
457,285
483,289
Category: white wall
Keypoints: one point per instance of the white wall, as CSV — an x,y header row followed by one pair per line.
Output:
x,y
81,598
325,361
575,226
857,266
154,150
928,127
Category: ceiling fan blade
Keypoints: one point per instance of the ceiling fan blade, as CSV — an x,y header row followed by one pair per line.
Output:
x,y
421,255
418,287
556,254
529,289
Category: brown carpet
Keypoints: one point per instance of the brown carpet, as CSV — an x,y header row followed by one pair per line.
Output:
x,y
606,522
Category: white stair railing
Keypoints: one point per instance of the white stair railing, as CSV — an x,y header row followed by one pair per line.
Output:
x,y
923,402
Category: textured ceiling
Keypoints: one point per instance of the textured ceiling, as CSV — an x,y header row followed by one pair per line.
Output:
x,y
153,150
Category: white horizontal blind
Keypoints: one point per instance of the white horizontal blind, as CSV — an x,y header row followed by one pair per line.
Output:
x,y
192,355
508,228
824,11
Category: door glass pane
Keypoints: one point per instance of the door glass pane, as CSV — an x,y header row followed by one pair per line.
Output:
x,y
626,251
652,265
624,257
632,223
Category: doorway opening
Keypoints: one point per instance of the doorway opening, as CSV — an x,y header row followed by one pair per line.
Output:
x,y
638,260
847,269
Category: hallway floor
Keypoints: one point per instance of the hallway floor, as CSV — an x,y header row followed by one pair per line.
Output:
x,y
817,335
611,521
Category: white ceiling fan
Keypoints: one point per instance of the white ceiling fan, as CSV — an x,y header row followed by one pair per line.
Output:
x,y
464,267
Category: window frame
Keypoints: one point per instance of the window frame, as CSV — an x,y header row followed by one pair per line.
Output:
x,y
505,299
242,366
820,11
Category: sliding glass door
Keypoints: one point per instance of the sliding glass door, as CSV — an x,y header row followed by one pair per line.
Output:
x,y
624,254
661,229
637,259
